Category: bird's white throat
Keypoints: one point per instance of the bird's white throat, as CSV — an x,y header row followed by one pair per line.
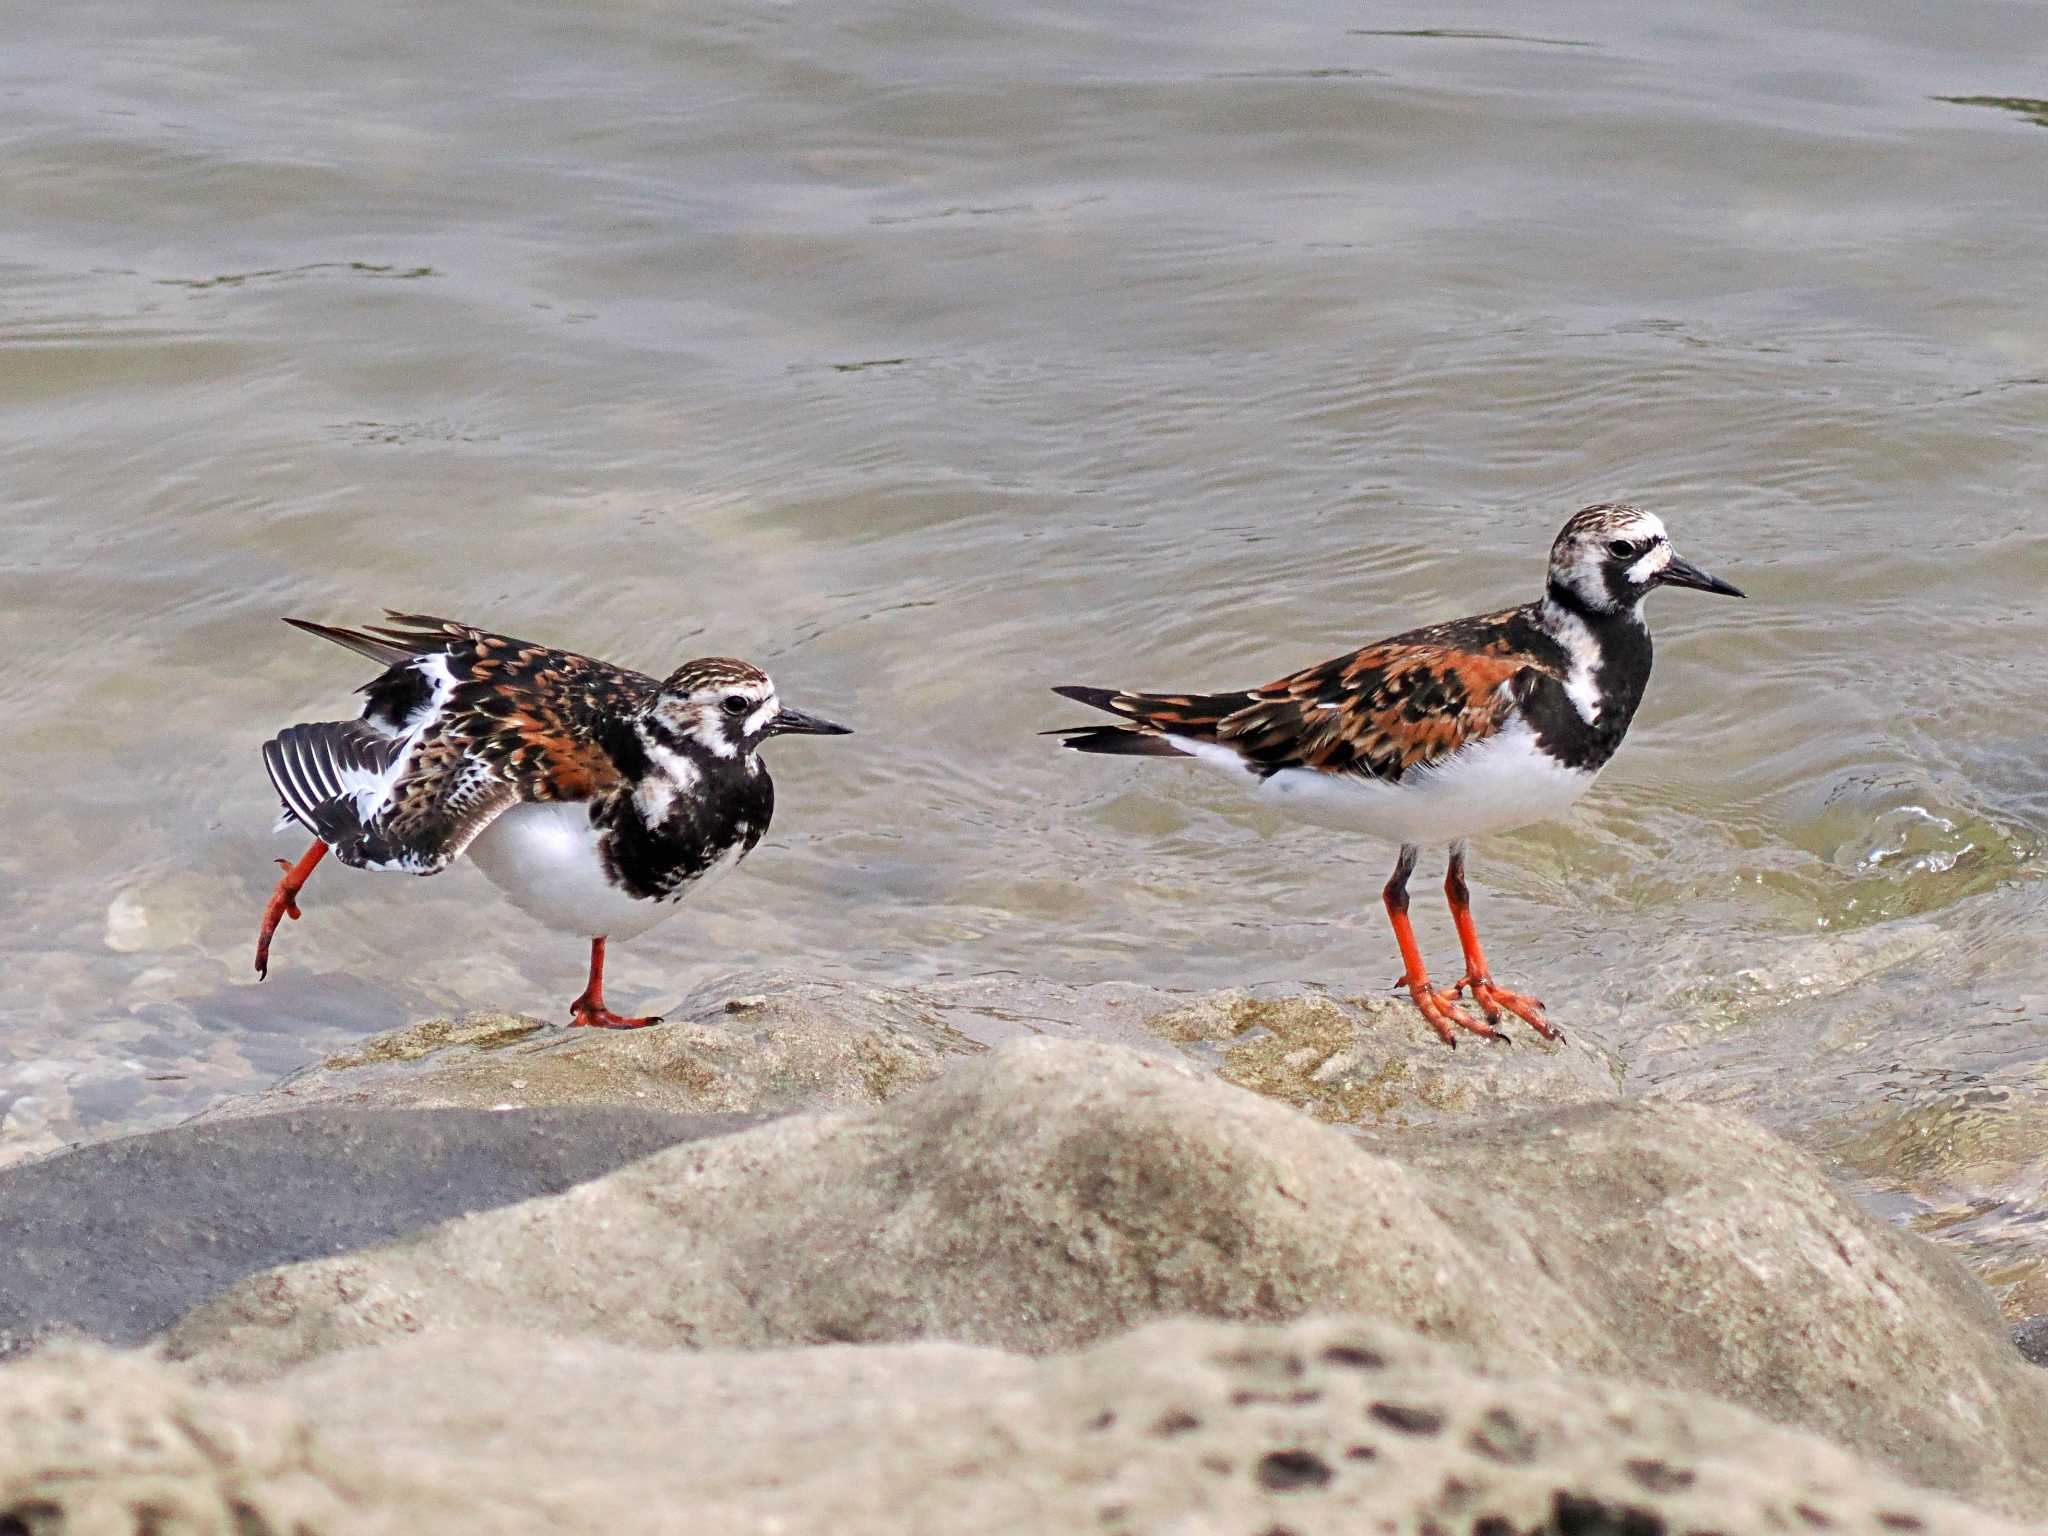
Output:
x,y
1583,654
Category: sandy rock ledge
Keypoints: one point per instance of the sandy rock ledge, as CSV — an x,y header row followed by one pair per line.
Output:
x,y
1050,1195
944,1259
769,1042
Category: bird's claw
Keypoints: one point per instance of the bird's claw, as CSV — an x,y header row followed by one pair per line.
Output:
x,y
604,1018
1441,1009
1493,1000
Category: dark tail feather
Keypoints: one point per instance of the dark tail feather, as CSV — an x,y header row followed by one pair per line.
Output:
x,y
383,652
1115,741
1153,717
1094,698
1141,740
422,634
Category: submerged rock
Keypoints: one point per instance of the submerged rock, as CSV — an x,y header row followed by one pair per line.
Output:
x,y
164,914
1968,1167
1052,1194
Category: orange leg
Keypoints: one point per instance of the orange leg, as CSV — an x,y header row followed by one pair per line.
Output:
x,y
1438,1006
284,901
1490,998
589,1009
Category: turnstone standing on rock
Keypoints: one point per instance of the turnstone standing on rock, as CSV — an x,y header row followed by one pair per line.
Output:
x,y
1443,733
595,797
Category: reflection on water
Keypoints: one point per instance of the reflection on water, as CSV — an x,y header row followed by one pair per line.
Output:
x,y
286,274
931,359
2029,107
1469,35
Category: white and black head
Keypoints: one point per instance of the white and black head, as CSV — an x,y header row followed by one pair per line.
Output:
x,y
1608,558
725,708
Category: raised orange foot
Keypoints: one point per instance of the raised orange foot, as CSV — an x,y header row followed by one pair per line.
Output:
x,y
284,902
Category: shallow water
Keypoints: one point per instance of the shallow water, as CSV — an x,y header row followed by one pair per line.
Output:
x,y
933,355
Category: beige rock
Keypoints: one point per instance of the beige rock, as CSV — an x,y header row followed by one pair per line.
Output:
x,y
1052,1194
1370,1062
803,1045
1183,1427
95,1443
1199,1429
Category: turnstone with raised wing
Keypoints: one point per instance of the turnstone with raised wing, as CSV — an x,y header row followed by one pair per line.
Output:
x,y
1441,734
594,796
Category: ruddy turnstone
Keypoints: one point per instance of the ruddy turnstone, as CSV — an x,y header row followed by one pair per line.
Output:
x,y
593,796
1441,734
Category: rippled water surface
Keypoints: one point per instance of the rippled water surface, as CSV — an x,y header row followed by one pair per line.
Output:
x,y
931,355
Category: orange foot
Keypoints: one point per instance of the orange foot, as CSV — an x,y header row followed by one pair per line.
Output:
x,y
583,1016
1492,1000
284,902
1445,1016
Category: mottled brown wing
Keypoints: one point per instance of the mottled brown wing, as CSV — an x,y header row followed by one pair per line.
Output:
x,y
444,798
1389,707
533,714
488,721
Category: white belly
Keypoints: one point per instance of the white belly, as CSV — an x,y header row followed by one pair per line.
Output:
x,y
1491,786
544,857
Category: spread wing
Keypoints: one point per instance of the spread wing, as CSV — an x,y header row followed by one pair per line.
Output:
x,y
461,725
1378,712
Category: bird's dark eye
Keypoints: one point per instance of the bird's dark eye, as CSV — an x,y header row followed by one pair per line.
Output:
x,y
736,704
1622,549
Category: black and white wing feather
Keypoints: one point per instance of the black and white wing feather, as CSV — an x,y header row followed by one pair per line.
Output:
x,y
462,725
333,776
412,803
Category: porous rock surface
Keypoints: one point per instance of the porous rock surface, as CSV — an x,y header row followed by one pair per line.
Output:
x,y
770,1042
1053,1194
1374,1064
1200,1429
781,1044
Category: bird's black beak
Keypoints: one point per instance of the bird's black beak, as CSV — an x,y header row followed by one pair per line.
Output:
x,y
794,722
1683,573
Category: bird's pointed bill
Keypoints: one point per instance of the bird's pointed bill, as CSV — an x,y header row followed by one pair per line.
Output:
x,y
1683,573
795,722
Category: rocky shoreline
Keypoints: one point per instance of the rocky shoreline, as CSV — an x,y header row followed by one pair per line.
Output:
x,y
996,1255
